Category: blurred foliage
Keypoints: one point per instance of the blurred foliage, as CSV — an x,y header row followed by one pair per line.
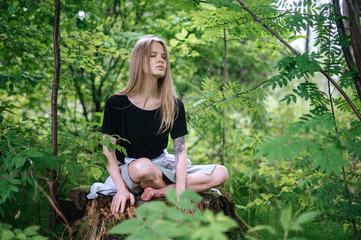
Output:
x,y
180,220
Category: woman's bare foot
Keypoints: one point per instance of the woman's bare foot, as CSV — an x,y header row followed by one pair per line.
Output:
x,y
149,193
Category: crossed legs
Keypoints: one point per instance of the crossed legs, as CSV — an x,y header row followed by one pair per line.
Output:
x,y
151,178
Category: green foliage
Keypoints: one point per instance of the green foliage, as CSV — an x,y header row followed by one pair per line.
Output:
x,y
29,233
179,220
316,138
297,159
290,222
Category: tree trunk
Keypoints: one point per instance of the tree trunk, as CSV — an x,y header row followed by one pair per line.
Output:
x,y
223,87
96,218
54,110
355,32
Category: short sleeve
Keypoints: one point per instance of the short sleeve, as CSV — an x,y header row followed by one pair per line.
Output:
x,y
180,125
108,125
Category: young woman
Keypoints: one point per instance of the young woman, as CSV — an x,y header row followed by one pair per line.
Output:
x,y
145,113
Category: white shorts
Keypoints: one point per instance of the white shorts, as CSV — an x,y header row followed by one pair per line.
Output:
x,y
165,163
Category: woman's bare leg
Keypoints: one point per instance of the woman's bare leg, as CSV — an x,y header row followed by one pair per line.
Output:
x,y
198,182
142,171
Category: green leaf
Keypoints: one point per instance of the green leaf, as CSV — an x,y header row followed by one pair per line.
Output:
x,y
144,234
171,196
127,226
92,142
285,218
150,208
190,195
39,238
19,160
64,34
96,172
268,228
167,229
173,42
186,205
16,79
7,235
192,38
100,27
31,231
12,9
305,217
175,214
74,170
182,35
106,141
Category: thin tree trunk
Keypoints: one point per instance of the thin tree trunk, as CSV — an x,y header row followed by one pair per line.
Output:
x,y
308,30
307,44
355,32
298,54
341,29
223,86
54,176
79,93
94,93
54,111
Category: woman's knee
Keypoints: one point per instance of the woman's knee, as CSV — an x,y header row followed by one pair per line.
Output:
x,y
140,168
221,174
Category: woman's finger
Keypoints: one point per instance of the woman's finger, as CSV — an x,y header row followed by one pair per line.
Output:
x,y
123,202
132,199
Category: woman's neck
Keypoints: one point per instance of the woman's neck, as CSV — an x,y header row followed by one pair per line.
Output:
x,y
148,96
149,89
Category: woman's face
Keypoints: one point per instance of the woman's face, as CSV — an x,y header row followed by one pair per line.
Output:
x,y
157,61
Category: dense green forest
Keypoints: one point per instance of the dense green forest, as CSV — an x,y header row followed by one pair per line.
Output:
x,y
272,90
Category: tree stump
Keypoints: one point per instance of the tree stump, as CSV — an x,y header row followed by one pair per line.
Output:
x,y
92,219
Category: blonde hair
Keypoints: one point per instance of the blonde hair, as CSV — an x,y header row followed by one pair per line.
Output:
x,y
168,96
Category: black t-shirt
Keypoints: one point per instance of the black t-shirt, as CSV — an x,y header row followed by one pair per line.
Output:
x,y
139,127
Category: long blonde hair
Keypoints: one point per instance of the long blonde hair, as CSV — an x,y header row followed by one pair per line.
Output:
x,y
168,105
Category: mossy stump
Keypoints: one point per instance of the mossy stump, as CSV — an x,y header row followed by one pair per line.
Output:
x,y
96,218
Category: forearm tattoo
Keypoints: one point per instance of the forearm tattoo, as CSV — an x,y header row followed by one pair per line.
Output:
x,y
179,148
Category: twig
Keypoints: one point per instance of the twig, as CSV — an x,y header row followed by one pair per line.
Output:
x,y
53,204
37,130
211,65
65,39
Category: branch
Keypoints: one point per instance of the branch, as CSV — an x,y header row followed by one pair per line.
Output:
x,y
224,99
65,39
53,204
298,54
32,44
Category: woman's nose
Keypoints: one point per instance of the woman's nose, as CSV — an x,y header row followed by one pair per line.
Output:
x,y
159,59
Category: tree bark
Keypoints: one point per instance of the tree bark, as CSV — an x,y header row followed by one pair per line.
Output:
x,y
96,218
223,86
54,110
54,176
355,32
94,93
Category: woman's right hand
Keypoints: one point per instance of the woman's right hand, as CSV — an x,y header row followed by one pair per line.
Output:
x,y
120,199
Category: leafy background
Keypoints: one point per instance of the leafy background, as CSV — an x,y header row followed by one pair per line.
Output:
x,y
290,141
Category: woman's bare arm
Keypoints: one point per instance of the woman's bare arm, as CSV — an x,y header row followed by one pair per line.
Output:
x,y
180,157
123,194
